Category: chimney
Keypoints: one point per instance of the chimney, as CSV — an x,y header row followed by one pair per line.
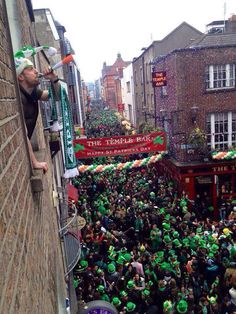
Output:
x,y
231,24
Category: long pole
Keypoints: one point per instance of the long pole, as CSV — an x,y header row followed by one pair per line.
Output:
x,y
155,107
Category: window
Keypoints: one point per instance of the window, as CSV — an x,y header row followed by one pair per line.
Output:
x,y
164,92
128,87
221,130
147,72
130,112
135,77
220,76
141,74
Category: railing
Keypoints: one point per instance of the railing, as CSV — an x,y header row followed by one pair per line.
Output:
x,y
69,232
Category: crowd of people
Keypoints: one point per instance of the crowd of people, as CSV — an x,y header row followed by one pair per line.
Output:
x,y
147,249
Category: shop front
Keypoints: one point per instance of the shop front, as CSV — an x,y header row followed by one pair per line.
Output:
x,y
209,181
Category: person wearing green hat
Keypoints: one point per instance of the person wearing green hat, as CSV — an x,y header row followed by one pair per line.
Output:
x,y
133,294
176,243
103,295
130,285
166,226
168,307
166,239
112,275
175,234
117,303
81,266
155,237
182,307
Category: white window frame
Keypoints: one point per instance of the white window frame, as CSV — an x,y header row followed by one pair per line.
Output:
x,y
225,137
220,76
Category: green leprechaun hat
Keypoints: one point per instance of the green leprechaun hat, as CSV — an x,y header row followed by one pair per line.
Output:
x,y
167,306
130,306
101,289
111,268
116,301
130,284
166,239
123,293
82,266
145,293
182,307
176,243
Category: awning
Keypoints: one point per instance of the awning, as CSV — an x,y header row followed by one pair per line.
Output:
x,y
72,193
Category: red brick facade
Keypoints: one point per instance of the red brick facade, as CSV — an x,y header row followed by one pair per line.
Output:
x,y
186,87
30,253
111,76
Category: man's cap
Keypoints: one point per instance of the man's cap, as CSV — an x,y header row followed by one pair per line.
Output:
x,y
21,64
20,57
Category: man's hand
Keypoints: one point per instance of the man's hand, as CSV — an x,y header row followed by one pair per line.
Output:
x,y
50,74
40,165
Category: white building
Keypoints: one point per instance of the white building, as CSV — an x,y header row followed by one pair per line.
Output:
x,y
127,89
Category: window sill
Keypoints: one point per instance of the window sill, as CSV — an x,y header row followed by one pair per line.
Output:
x,y
38,174
220,90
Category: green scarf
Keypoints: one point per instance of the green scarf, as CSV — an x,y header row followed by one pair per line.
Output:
x,y
69,154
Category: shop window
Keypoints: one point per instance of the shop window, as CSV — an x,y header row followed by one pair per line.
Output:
x,y
225,184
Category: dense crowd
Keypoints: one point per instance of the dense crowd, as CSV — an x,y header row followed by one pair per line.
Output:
x,y
147,250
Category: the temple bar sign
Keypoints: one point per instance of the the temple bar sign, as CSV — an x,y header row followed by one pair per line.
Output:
x,y
159,79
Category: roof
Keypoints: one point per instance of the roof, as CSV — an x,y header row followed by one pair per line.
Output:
x,y
216,23
180,28
219,39
183,24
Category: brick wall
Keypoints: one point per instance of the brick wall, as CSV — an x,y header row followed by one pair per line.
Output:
x,y
186,87
30,259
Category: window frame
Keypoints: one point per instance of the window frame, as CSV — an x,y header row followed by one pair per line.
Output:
x,y
220,77
221,130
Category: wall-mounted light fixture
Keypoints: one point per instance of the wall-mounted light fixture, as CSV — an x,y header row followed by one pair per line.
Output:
x,y
194,113
164,115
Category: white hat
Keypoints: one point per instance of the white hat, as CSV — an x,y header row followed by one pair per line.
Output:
x,y
21,64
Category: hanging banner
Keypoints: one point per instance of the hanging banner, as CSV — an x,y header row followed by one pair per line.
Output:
x,y
120,145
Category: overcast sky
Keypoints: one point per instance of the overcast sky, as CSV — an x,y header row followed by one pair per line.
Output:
x,y
99,29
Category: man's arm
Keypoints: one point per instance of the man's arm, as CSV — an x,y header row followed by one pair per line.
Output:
x,y
50,75
35,163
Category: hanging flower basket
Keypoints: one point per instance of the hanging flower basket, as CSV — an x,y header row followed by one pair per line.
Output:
x,y
197,138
